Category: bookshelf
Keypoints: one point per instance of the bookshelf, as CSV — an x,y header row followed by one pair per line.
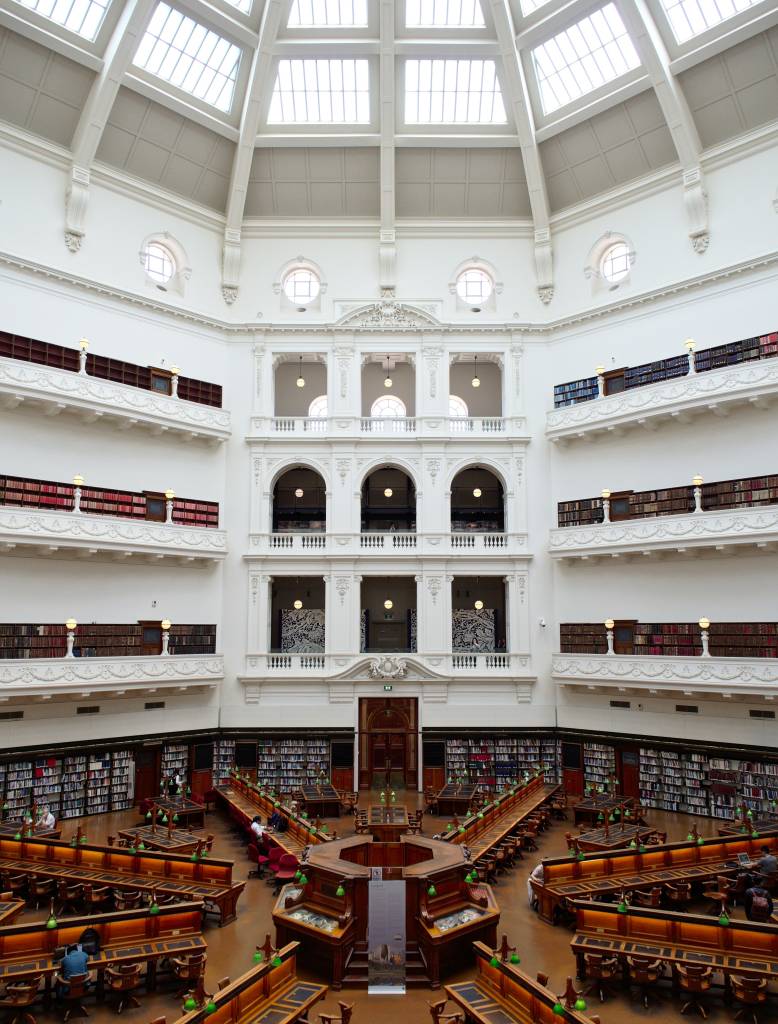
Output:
x,y
674,780
582,638
74,778
677,639
47,782
18,787
122,779
175,760
98,790
581,512
223,761
744,639
288,763
599,763
493,761
99,640
762,347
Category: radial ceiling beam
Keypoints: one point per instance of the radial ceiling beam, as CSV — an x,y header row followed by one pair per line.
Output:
x,y
387,251
276,13
656,60
119,52
518,97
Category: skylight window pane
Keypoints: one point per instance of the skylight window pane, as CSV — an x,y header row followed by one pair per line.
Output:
x,y
449,91
328,14
443,14
190,56
321,92
529,6
84,17
689,18
585,56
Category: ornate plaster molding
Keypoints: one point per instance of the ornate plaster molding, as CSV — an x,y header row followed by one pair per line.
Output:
x,y
20,526
697,392
698,530
388,314
96,398
58,675
677,674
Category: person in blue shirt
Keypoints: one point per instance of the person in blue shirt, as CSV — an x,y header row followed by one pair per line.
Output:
x,y
75,961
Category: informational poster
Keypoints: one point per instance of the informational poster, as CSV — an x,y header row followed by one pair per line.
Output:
x,y
386,937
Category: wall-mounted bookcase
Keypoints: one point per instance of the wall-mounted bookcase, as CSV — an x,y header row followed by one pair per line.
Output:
x,y
674,639
575,391
599,763
99,640
288,763
175,761
223,760
582,638
493,761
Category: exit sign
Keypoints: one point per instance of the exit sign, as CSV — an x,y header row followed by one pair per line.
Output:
x,y
387,687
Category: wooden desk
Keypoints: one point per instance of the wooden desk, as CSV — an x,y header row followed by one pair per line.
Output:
x,y
387,822
263,995
615,871
126,936
592,807
760,825
208,881
320,801
614,837
14,826
504,994
244,800
159,837
487,829
188,812
455,799
741,947
10,909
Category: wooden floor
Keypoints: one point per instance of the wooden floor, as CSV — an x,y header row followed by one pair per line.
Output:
x,y
541,946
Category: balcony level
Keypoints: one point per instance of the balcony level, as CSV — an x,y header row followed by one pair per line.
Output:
x,y
52,379
383,428
390,544
675,390
720,517
53,518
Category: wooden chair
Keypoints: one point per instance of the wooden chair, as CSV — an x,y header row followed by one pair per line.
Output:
x,y
604,972
430,801
126,899
96,897
69,895
542,979
677,896
16,885
645,973
121,983
40,890
18,998
652,898
695,981
414,822
751,992
188,969
209,841
439,1015
346,1009
720,893
73,990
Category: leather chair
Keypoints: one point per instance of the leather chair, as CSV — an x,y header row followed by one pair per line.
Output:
x,y
439,1015
252,852
677,896
121,983
604,972
346,1009
751,992
18,998
69,895
39,890
16,885
721,893
188,969
73,991
645,973
652,898
126,899
97,897
287,868
695,982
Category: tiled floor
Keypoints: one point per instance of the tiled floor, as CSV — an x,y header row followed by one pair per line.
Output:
x,y
541,946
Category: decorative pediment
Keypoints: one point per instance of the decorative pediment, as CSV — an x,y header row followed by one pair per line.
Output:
x,y
389,668
388,314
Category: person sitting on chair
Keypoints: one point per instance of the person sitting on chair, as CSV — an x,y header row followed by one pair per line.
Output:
x,y
75,961
767,864
274,819
257,827
47,819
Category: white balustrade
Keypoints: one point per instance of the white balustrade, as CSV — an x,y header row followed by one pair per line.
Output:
x,y
388,425
388,543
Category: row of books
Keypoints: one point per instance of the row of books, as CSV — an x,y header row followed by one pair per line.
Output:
x,y
292,762
491,761
676,639
70,786
100,640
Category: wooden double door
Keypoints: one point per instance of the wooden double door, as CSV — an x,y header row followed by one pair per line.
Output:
x,y
388,742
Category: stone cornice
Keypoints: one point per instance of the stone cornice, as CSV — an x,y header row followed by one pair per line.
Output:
x,y
678,675
714,529
31,676
95,398
22,527
646,406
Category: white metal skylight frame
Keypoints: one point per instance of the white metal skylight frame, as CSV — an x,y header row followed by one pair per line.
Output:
x,y
443,14
190,57
84,18
328,14
581,60
451,92
322,92
691,19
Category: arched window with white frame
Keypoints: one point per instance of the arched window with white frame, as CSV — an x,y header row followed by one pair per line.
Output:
x,y
317,414
459,415
388,415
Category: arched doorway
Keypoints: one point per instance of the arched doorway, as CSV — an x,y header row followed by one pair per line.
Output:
x,y
388,742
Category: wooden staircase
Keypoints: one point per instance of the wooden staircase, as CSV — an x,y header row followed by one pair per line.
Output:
x,y
356,974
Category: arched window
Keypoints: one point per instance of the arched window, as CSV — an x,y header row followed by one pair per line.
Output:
x,y
317,410
457,406
388,407
301,286
159,263
474,285
615,262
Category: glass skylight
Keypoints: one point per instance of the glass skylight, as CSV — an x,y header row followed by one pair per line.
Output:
x,y
529,6
585,56
189,56
689,18
321,92
84,17
327,13
452,91
443,14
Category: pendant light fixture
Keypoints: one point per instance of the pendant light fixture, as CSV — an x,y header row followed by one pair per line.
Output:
x,y
298,604
478,605
388,492
299,492
476,381
300,378
477,492
388,378
388,604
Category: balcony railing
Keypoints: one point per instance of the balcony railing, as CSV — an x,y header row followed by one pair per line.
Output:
x,y
461,663
327,427
390,543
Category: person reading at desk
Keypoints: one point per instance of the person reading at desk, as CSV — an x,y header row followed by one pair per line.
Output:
x,y
767,865
47,819
75,962
257,827
275,820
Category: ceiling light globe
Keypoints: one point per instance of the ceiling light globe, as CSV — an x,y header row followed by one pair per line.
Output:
x,y
298,604
476,383
388,604
704,623
299,492
478,605
388,492
387,381
166,624
301,382
609,624
70,625
477,492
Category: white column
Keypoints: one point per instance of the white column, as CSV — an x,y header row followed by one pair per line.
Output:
x,y
343,611
431,617
517,612
344,388
262,392
327,611
512,380
259,613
